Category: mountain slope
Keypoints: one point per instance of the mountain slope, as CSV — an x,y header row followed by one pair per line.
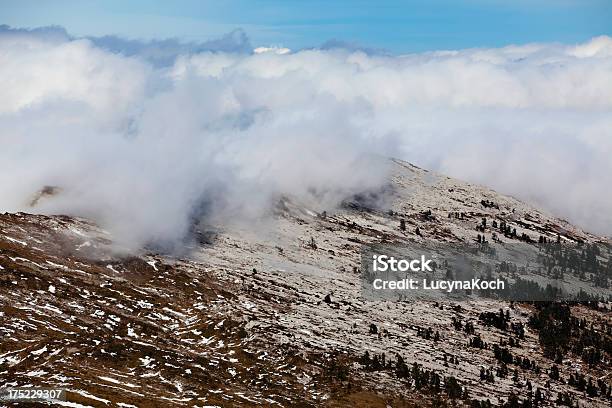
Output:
x,y
271,313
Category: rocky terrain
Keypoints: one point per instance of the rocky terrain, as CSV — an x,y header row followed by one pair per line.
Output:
x,y
272,313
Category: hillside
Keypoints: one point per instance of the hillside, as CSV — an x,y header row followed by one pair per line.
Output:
x,y
272,313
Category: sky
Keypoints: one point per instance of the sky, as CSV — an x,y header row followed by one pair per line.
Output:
x,y
394,26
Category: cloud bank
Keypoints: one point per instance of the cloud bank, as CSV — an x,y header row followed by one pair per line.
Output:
x,y
144,147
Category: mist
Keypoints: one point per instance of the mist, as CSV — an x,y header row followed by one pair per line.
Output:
x,y
143,146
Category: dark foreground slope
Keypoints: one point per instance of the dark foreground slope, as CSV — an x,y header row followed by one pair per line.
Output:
x,y
271,314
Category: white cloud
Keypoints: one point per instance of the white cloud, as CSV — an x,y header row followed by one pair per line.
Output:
x,y
140,148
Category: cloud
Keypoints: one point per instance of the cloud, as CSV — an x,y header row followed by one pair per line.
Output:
x,y
144,148
164,52
158,52
52,34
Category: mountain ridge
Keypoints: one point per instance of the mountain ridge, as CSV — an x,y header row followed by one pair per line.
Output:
x,y
274,315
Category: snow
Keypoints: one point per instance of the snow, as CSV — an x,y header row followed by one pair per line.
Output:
x,y
36,373
115,381
16,240
272,50
39,351
83,245
111,267
146,361
90,396
71,404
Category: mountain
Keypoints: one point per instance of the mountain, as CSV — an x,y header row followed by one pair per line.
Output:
x,y
272,313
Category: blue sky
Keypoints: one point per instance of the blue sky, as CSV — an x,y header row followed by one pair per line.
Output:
x,y
396,26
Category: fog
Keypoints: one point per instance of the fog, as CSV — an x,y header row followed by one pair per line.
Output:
x,y
143,142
